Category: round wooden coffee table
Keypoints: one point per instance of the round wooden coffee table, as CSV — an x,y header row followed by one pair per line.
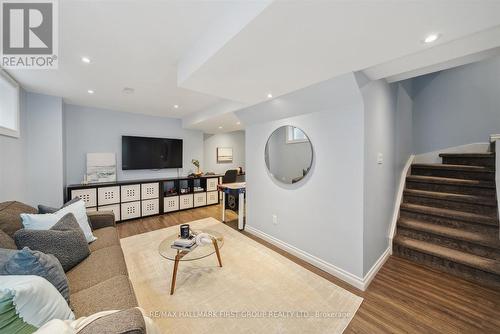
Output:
x,y
197,253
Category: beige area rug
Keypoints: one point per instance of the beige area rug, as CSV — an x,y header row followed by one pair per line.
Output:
x,y
256,291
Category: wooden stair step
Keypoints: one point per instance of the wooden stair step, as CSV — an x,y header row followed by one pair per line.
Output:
x,y
462,168
451,181
470,260
450,214
468,155
484,239
479,200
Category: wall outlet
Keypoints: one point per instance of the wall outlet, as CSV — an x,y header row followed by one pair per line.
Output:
x,y
275,219
380,158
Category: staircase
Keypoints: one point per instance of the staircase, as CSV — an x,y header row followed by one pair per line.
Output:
x,y
449,217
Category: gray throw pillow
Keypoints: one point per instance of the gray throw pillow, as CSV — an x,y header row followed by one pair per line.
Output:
x,y
29,262
48,209
65,240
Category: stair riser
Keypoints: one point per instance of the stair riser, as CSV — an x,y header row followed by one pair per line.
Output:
x,y
461,245
445,188
455,174
486,162
447,204
457,269
469,226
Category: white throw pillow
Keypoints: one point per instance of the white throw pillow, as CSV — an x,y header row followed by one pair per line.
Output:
x,y
36,300
47,220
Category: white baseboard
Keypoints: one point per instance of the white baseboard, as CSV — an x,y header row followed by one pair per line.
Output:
x,y
354,280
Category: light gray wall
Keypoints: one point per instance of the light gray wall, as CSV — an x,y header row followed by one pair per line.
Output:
x,y
99,130
457,106
323,214
32,166
379,187
235,139
12,161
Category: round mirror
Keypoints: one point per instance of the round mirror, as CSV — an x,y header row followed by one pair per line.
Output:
x,y
289,154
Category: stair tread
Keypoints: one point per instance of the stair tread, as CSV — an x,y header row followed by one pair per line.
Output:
x,y
465,168
471,260
480,200
452,214
482,238
469,155
451,181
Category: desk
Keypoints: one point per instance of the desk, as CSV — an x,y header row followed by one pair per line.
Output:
x,y
234,188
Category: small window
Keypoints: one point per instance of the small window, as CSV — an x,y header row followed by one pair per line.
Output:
x,y
295,135
9,106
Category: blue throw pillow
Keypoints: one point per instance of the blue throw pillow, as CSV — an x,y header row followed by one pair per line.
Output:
x,y
30,262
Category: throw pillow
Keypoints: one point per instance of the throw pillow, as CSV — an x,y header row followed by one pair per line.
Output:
x,y
6,241
48,209
33,300
65,240
29,262
46,221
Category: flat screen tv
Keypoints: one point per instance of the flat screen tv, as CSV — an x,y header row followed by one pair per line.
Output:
x,y
151,153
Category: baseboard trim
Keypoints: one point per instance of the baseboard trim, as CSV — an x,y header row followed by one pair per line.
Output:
x,y
376,267
355,281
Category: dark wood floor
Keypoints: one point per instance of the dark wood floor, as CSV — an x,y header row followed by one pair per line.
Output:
x,y
403,297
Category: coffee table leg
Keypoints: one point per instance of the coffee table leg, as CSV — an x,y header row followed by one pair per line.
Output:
x,y
216,246
174,275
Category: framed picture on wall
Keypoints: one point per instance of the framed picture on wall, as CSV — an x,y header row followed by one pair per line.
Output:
x,y
224,154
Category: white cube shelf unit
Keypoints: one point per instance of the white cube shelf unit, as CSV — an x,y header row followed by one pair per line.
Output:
x,y
143,198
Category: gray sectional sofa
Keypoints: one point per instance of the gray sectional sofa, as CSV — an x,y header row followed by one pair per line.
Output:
x,y
98,283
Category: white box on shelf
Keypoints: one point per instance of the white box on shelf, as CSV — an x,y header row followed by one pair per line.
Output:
x,y
89,196
200,199
150,207
212,197
131,192
171,204
186,201
131,210
115,208
150,190
212,183
108,195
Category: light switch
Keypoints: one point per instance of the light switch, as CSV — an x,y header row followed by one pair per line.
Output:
x,y
380,158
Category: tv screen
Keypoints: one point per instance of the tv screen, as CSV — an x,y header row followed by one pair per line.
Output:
x,y
151,153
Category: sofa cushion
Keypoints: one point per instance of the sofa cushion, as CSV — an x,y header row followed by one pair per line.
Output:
x,y
30,262
65,240
6,241
10,219
106,237
101,265
115,293
130,321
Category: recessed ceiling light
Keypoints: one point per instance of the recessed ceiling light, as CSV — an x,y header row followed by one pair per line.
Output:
x,y
431,38
220,127
176,106
238,123
128,90
90,91
86,60
269,95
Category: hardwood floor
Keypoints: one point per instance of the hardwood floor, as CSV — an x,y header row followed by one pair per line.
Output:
x,y
403,297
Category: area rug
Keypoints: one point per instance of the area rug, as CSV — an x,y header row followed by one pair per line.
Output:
x,y
256,291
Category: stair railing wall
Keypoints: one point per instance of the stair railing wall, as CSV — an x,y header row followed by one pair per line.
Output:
x,y
495,140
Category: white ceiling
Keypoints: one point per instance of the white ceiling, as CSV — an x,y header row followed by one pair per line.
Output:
x,y
258,47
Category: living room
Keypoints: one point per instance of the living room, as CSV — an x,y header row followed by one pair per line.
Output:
x,y
228,166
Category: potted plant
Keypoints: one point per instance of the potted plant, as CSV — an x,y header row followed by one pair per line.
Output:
x,y
197,165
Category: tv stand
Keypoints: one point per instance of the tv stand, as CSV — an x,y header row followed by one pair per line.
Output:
x,y
143,198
